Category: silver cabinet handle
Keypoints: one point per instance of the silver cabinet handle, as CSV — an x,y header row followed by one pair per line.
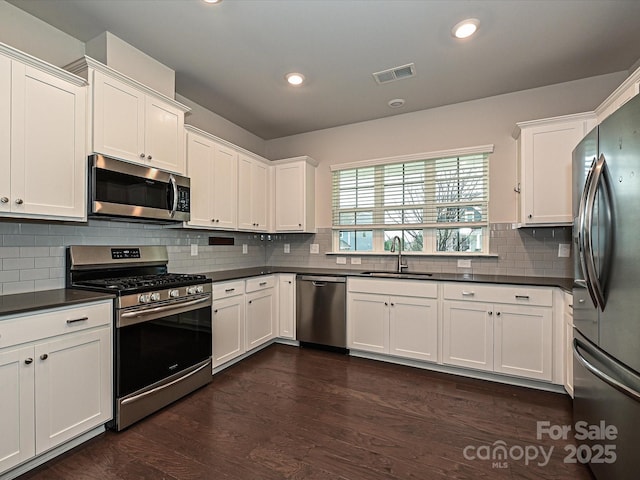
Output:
x,y
522,297
77,320
262,284
468,294
19,201
4,200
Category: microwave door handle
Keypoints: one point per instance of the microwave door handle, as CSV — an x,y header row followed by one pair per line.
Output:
x,y
174,188
584,233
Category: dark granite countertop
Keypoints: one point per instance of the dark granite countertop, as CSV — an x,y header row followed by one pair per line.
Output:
x,y
33,301
564,283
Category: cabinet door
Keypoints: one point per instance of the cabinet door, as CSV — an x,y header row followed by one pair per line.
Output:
x,y
47,145
245,214
200,158
287,306
164,136
546,156
413,328
118,119
523,341
228,329
260,317
289,194
225,188
17,442
73,386
467,336
368,322
259,195
5,134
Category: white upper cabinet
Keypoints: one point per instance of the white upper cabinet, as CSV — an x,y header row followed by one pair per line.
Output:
x,y
42,139
131,121
253,199
294,192
544,167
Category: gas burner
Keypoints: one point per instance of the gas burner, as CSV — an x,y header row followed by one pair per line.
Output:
x,y
141,282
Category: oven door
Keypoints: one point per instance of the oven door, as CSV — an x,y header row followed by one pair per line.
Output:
x,y
161,354
123,189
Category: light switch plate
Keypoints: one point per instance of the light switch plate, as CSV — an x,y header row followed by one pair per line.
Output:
x,y
194,249
287,248
341,260
314,248
464,263
245,248
356,261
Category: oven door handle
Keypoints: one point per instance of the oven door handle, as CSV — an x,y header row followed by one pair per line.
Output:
x,y
138,316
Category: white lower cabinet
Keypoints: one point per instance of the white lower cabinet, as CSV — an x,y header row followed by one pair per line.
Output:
x,y
261,311
512,335
404,325
56,377
287,305
245,316
228,322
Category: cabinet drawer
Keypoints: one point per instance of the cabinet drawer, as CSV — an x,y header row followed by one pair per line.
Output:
x,y
514,294
410,288
260,283
28,328
228,289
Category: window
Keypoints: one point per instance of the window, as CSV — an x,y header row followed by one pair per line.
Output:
x,y
434,205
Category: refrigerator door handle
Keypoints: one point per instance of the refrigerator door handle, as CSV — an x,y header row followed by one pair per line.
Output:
x,y
582,232
599,182
577,345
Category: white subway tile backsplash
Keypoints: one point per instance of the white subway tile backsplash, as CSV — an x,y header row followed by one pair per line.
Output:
x,y
34,274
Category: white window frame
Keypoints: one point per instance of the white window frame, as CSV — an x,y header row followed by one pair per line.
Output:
x,y
429,232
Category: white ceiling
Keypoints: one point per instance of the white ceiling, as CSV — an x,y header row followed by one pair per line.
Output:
x,y
231,58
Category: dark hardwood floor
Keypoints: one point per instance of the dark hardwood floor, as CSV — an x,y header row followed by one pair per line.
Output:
x,y
298,413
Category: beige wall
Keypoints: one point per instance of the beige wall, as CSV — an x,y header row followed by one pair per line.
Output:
x,y
35,37
486,121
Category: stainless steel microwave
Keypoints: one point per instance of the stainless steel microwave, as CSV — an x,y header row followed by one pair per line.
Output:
x,y
125,190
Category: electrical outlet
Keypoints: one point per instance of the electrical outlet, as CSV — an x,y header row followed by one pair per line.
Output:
x,y
194,249
245,248
464,263
564,250
356,261
287,248
314,248
341,260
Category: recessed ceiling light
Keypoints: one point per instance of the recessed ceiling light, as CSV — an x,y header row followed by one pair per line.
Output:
x,y
212,1
465,28
294,78
396,103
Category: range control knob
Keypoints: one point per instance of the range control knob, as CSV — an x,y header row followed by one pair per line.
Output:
x,y
144,298
174,293
155,297
199,289
191,290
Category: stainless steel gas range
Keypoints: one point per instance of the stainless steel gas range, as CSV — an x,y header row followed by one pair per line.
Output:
x,y
162,330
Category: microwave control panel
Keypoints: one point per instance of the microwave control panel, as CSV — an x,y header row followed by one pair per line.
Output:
x,y
184,201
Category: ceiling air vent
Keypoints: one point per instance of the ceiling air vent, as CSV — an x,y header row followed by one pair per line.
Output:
x,y
396,73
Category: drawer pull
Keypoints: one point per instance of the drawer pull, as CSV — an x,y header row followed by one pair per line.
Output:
x,y
229,290
468,294
77,320
522,297
44,356
262,284
28,361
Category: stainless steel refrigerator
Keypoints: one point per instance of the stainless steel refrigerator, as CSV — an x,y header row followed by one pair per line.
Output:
x,y
606,295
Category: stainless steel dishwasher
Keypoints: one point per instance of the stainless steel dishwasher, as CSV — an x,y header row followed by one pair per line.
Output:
x,y
321,310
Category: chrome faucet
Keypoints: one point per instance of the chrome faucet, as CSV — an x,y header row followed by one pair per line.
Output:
x,y
401,265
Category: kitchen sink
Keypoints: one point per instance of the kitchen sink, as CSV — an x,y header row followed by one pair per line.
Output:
x,y
411,275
